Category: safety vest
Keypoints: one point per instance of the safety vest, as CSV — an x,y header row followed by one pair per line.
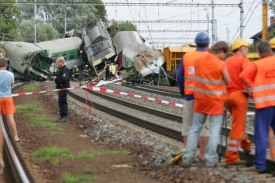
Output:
x,y
189,70
209,82
76,71
86,71
263,87
113,69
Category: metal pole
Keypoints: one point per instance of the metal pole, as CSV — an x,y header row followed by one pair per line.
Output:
x,y
35,40
216,30
226,37
241,19
207,20
213,22
228,34
65,28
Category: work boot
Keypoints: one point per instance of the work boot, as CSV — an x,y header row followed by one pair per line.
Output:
x,y
263,171
62,119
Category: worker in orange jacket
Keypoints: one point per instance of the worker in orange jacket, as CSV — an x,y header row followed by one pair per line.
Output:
x,y
271,139
185,81
237,102
211,77
260,76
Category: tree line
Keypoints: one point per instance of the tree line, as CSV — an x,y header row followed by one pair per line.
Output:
x,y
17,20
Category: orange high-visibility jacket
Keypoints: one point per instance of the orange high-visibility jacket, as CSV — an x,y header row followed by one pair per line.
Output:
x,y
263,87
209,83
189,71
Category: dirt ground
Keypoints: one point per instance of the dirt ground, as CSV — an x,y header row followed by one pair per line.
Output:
x,y
73,135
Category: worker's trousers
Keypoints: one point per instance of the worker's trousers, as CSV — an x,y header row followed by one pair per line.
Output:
x,y
107,75
215,123
237,103
271,143
156,79
62,103
264,119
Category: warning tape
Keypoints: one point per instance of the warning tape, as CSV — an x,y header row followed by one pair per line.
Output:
x,y
47,91
106,90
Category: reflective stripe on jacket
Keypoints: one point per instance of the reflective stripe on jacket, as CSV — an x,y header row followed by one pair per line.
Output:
x,y
263,87
208,78
189,70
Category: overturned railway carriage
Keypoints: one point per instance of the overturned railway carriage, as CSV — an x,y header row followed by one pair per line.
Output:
x,y
39,59
97,45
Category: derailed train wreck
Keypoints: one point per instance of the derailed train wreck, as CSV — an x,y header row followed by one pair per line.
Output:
x,y
95,46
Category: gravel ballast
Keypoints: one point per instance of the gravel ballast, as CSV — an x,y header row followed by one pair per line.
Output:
x,y
153,153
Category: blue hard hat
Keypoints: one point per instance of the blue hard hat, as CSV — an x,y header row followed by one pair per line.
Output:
x,y
202,38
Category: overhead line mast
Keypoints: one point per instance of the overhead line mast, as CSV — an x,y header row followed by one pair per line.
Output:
x,y
241,19
179,38
265,27
171,30
163,21
124,4
35,22
181,43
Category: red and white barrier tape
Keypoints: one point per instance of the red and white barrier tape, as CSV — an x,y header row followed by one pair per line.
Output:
x,y
47,91
106,90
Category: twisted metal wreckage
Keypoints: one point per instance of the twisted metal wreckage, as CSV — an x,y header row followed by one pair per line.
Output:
x,y
93,46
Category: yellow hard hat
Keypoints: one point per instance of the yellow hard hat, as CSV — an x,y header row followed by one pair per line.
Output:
x,y
239,43
272,43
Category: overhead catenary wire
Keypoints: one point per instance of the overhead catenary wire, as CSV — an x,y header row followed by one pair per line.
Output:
x,y
244,19
227,14
253,13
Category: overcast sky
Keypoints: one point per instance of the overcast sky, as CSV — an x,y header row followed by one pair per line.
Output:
x,y
226,16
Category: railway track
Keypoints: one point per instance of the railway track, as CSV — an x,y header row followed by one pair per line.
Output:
x,y
174,133
156,91
163,114
171,93
15,168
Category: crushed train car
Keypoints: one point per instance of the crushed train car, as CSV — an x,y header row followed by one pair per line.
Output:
x,y
134,56
39,59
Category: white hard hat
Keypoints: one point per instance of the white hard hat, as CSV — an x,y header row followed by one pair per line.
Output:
x,y
86,65
75,66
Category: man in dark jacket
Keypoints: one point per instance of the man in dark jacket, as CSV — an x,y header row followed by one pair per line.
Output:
x,y
106,68
62,80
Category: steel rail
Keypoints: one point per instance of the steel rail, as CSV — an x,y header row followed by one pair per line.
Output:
x,y
18,170
15,163
158,128
158,91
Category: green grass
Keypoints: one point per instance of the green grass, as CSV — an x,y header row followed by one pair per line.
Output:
x,y
93,154
35,107
30,87
68,178
45,121
55,162
88,171
48,153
